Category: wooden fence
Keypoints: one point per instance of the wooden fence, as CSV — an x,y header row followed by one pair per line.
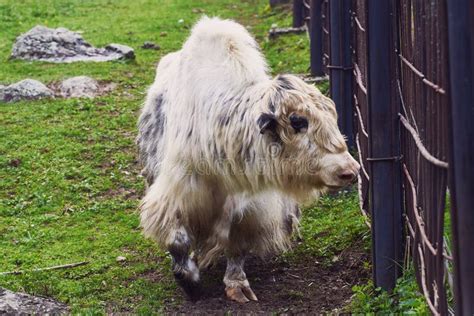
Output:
x,y
402,77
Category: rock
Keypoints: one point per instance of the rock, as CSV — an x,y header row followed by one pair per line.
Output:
x,y
126,51
27,89
15,163
2,87
63,46
79,87
121,259
151,45
12,303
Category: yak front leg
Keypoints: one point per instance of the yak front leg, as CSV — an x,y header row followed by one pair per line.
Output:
x,y
237,286
185,269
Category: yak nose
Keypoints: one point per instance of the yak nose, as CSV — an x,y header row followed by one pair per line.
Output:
x,y
347,176
350,174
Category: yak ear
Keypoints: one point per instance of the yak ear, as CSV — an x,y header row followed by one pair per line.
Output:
x,y
267,122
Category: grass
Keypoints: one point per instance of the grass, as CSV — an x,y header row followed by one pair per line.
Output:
x,y
69,178
405,298
330,225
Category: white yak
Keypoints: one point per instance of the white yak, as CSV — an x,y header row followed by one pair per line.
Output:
x,y
228,152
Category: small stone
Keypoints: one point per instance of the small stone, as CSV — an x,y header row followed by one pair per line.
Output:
x,y
151,45
121,259
107,87
2,87
180,21
14,162
124,50
27,89
79,87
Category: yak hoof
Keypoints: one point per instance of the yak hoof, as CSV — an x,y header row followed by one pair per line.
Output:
x,y
241,294
187,277
191,288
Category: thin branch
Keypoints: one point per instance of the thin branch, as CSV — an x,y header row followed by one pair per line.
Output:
x,y
424,152
275,31
426,294
418,218
360,117
361,203
64,266
432,85
310,79
294,275
361,162
358,76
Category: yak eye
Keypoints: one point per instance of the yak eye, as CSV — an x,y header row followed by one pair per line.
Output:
x,y
298,123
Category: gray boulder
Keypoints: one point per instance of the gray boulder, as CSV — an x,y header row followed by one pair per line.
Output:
x,y
64,46
12,303
79,87
27,89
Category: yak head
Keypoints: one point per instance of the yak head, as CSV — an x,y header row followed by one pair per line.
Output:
x,y
299,128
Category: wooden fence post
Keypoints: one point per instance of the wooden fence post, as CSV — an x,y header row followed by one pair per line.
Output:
x,y
461,63
298,13
384,145
316,38
340,68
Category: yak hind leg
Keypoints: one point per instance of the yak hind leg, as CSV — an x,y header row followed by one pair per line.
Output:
x,y
237,287
185,270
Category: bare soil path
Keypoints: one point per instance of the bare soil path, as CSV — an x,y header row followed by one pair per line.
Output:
x,y
303,287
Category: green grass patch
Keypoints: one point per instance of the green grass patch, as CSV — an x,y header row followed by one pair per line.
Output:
x,y
330,225
69,178
405,298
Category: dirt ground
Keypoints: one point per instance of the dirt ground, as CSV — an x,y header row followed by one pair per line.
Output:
x,y
304,287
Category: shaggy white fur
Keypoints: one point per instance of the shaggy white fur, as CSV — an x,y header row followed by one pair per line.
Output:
x,y
227,150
